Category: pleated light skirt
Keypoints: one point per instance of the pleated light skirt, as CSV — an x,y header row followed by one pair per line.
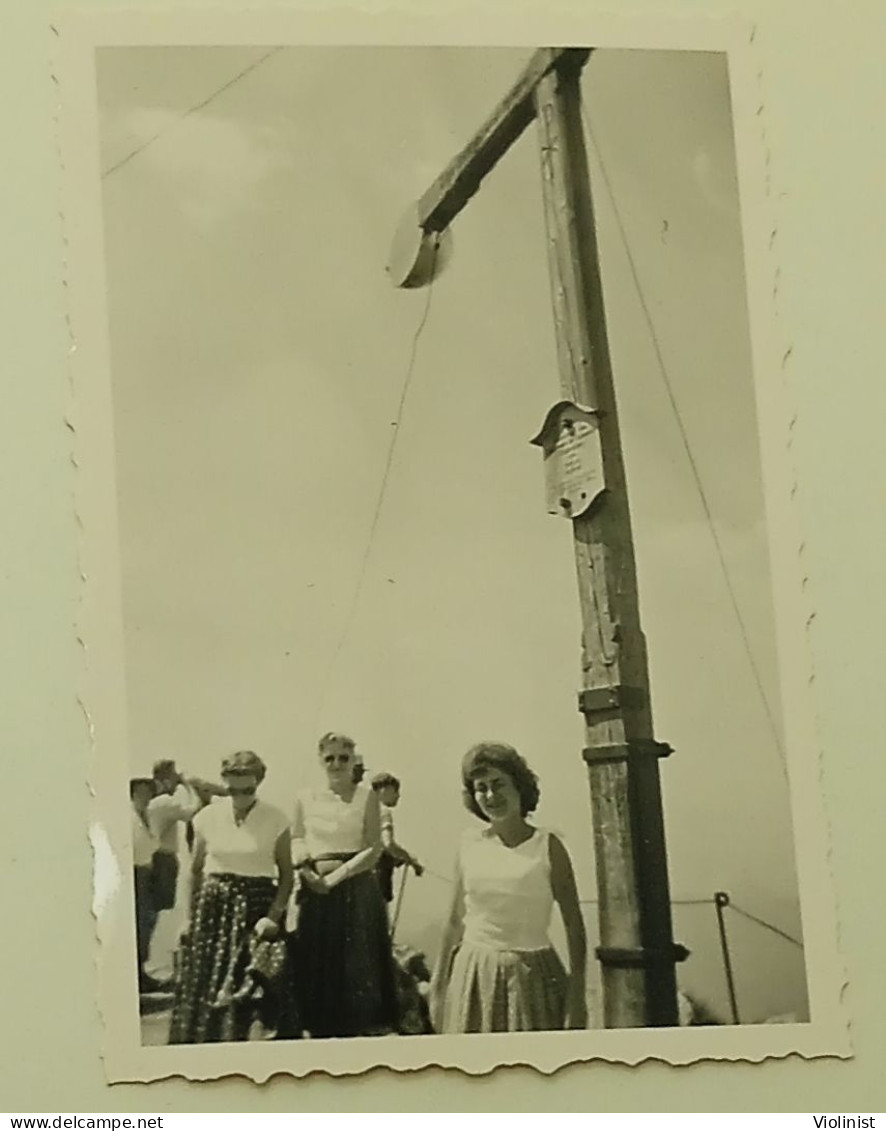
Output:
x,y
504,991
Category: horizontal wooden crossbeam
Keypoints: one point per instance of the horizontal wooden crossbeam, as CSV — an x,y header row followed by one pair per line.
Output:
x,y
463,176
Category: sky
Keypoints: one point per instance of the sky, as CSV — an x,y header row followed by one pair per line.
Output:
x,y
259,354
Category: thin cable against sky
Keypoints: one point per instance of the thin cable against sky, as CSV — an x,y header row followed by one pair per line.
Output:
x,y
196,108
192,110
373,526
696,474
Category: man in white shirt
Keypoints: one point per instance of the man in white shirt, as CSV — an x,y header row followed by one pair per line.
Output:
x,y
177,800
175,803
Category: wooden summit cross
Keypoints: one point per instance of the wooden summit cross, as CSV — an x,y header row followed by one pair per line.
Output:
x,y
637,952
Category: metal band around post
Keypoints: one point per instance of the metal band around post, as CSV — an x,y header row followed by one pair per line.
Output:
x,y
598,700
626,751
634,958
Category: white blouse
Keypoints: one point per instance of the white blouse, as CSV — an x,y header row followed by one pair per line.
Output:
x,y
245,849
326,824
508,896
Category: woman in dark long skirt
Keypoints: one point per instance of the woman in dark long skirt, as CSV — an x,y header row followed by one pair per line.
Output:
x,y
344,961
242,880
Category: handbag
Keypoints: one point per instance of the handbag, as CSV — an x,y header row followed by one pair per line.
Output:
x,y
267,957
264,969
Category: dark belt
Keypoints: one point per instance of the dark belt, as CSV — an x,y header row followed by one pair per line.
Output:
x,y
341,857
240,878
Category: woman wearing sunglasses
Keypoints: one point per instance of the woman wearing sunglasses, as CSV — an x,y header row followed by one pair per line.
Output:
x,y
344,961
242,877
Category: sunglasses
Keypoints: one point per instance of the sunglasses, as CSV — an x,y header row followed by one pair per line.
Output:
x,y
241,790
337,759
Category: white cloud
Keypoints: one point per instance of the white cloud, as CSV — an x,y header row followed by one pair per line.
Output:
x,y
212,164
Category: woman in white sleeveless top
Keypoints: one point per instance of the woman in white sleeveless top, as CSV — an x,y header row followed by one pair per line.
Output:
x,y
344,961
497,970
241,882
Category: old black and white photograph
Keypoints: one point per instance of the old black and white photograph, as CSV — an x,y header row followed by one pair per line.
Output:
x,y
450,708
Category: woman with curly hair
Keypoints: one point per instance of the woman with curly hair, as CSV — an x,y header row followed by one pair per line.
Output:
x,y
242,878
497,970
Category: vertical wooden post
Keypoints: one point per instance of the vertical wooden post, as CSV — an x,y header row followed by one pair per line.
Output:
x,y
637,951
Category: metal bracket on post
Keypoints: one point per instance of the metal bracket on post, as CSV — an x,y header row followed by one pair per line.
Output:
x,y
599,700
634,958
626,751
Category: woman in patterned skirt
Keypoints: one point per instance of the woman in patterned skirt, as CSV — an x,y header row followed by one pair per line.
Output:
x,y
344,961
242,880
497,970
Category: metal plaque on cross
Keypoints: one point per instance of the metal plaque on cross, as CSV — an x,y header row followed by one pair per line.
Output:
x,y
573,458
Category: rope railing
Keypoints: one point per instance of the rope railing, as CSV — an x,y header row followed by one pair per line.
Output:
x,y
701,901
674,902
720,901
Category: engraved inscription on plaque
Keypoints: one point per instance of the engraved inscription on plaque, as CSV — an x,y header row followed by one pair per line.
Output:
x,y
573,459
